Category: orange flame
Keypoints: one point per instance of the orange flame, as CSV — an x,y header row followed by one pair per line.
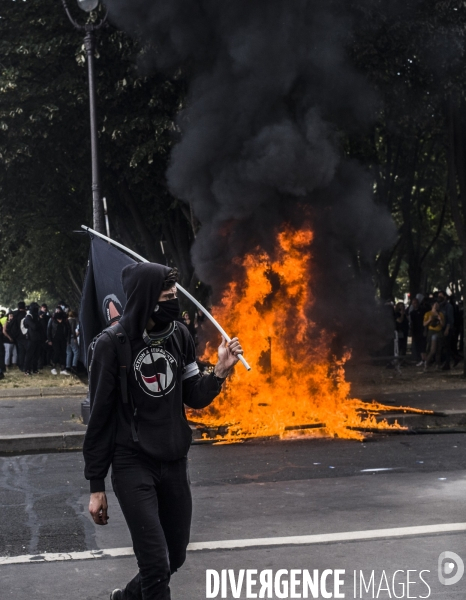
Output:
x,y
295,387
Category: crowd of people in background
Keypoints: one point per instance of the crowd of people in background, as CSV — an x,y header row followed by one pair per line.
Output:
x,y
435,324
31,338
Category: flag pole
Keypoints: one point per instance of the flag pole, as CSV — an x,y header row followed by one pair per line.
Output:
x,y
185,292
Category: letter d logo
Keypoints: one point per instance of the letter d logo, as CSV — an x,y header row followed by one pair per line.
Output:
x,y
445,568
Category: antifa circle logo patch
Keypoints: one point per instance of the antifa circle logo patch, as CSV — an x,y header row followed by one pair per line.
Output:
x,y
155,374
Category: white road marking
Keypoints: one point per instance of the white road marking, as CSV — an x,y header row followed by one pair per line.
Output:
x,y
88,554
377,470
322,538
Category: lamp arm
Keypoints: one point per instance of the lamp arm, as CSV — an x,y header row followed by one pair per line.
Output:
x,y
73,22
102,21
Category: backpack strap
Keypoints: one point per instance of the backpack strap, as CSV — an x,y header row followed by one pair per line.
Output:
x,y
178,341
123,349
90,352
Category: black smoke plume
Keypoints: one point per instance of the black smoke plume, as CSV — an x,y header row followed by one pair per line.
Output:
x,y
270,91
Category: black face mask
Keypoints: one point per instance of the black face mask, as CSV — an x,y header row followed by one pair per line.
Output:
x,y
168,311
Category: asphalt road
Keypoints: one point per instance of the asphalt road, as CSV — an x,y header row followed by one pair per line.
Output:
x,y
254,490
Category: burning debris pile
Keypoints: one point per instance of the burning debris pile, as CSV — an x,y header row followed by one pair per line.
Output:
x,y
296,386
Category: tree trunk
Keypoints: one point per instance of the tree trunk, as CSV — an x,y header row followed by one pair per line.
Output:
x,y
153,251
178,235
456,175
385,280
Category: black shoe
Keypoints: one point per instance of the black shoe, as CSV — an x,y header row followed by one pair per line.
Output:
x,y
116,595
446,368
2,376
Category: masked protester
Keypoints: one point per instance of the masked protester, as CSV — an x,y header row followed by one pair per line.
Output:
x,y
45,349
2,352
72,349
147,440
34,336
18,334
446,308
58,336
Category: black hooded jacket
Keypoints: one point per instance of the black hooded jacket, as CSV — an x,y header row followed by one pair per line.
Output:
x,y
32,324
163,377
58,330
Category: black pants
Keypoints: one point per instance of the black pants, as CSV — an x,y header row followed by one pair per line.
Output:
x,y
59,353
419,345
32,356
22,346
454,344
155,498
44,356
402,345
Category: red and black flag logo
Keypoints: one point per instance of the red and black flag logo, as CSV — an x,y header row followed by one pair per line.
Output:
x,y
155,371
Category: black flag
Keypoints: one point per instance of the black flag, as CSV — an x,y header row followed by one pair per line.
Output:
x,y
103,298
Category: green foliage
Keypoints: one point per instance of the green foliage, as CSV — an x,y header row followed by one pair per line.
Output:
x,y
414,55
45,175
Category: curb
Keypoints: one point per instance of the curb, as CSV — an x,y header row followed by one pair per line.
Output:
x,y
44,442
38,443
42,392
32,443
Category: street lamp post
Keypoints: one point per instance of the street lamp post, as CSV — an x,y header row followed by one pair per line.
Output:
x,y
89,42
97,204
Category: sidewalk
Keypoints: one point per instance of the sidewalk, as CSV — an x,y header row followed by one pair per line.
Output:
x,y
48,422
41,423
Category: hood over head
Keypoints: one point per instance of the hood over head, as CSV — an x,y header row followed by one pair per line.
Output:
x,y
34,309
142,284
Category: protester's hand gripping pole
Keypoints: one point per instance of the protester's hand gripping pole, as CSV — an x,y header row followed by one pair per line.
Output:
x,y
185,292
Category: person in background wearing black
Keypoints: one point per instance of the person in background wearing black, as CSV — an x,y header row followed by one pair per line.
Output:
x,y
402,327
58,336
447,310
3,339
18,336
457,345
34,337
44,318
454,331
72,349
189,324
416,318
64,307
